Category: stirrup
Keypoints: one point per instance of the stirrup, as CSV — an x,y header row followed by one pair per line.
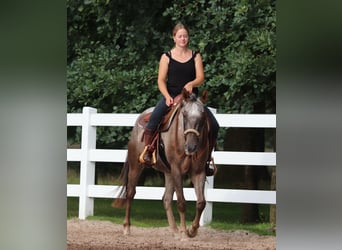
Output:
x,y
153,160
214,165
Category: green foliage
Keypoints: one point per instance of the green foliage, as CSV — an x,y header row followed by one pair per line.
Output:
x,y
114,49
103,79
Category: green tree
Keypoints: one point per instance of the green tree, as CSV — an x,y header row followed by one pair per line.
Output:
x,y
236,39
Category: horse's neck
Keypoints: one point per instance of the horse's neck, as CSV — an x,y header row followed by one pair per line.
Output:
x,y
175,134
178,125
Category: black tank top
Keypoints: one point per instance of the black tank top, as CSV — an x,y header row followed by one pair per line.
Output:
x,y
180,73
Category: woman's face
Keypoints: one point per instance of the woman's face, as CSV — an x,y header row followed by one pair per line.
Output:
x,y
181,38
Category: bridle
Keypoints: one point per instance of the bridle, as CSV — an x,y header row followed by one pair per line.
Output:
x,y
192,130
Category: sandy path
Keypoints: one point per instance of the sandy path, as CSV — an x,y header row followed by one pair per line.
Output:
x,y
89,234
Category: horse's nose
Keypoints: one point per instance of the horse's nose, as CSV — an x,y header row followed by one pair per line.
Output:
x,y
190,149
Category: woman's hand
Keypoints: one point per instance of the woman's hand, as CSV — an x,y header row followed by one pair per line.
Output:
x,y
188,87
168,101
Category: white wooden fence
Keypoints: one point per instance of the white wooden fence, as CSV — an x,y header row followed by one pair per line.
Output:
x,y
88,154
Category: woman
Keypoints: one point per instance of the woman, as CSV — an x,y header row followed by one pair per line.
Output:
x,y
179,68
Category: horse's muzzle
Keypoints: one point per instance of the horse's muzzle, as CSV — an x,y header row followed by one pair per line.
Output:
x,y
190,149
191,141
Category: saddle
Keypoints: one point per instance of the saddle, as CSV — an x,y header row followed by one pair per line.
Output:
x,y
167,119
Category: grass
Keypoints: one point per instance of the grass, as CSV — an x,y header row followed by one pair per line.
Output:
x,y
147,213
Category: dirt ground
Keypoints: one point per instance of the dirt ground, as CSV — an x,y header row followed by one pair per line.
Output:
x,y
91,235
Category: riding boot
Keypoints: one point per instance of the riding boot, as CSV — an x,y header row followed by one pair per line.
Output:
x,y
212,139
146,157
209,171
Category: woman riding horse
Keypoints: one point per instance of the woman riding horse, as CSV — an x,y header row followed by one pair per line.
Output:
x,y
186,150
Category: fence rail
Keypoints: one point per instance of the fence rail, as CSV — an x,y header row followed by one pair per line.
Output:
x,y
88,154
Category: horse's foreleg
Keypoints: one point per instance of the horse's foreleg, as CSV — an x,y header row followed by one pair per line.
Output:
x,y
167,202
181,206
198,182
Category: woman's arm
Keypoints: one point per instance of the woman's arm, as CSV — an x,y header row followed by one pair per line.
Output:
x,y
162,75
199,74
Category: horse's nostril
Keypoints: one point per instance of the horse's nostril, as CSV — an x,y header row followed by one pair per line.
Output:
x,y
190,149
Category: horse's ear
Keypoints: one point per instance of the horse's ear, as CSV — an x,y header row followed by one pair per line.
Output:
x,y
185,94
204,97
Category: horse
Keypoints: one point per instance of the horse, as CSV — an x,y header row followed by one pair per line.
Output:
x,y
183,152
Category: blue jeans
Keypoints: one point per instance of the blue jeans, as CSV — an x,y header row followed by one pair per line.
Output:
x,y
157,114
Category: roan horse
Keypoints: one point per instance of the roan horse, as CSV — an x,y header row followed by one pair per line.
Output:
x,y
186,149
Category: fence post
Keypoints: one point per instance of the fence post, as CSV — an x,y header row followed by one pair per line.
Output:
x,y
87,171
207,214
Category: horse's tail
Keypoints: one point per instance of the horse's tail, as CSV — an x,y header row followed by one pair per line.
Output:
x,y
120,201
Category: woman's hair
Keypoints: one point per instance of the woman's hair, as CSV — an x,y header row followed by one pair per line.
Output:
x,y
179,26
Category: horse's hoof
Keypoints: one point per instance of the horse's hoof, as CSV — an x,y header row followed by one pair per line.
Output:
x,y
192,232
126,231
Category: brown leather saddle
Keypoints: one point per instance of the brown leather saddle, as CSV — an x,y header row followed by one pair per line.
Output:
x,y
167,119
